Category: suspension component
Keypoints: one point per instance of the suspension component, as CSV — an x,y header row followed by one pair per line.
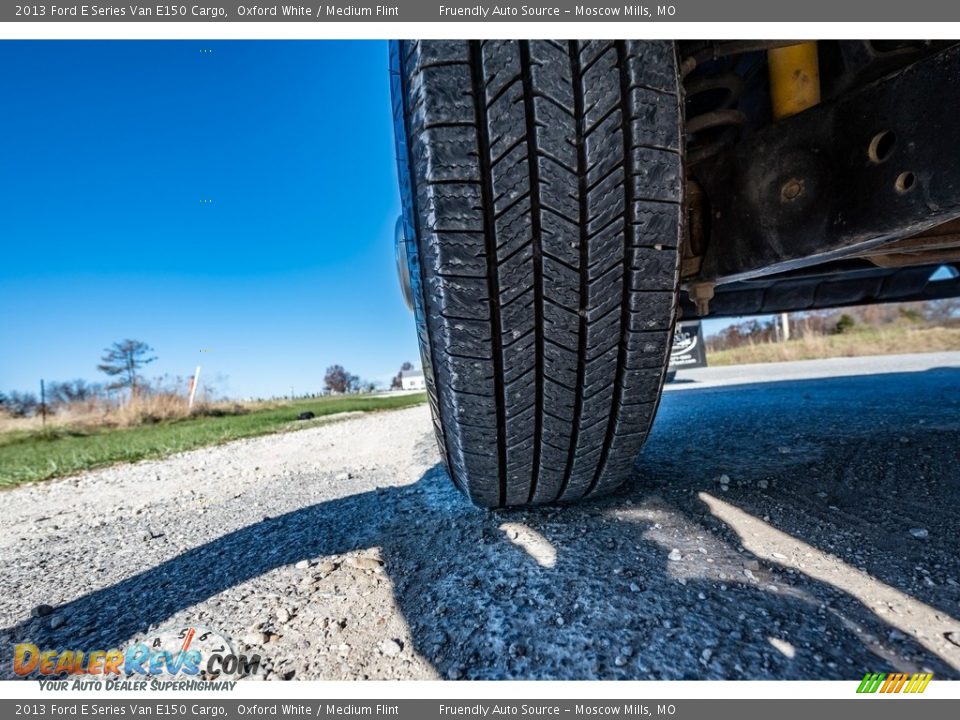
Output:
x,y
701,294
794,79
712,115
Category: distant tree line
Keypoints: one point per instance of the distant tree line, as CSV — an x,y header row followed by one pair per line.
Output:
x,y
122,363
337,380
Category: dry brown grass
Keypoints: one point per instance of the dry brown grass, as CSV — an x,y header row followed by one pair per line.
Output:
x,y
888,340
144,409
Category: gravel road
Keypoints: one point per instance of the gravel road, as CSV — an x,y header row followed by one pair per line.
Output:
x,y
793,521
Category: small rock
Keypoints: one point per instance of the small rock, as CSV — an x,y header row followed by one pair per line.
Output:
x,y
327,567
749,574
779,556
42,610
706,655
634,587
674,556
284,615
786,648
256,638
724,479
57,621
302,565
620,661
365,562
919,533
340,477
390,647
763,484
751,565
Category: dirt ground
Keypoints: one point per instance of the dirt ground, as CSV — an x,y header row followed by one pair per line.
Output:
x,y
797,521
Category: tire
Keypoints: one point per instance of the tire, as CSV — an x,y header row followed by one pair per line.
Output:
x,y
541,186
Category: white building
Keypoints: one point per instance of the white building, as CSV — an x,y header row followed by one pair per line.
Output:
x,y
412,380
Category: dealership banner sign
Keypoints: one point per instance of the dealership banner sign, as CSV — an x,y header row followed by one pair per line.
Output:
x,y
467,11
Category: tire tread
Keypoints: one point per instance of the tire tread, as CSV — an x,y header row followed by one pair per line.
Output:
x,y
547,181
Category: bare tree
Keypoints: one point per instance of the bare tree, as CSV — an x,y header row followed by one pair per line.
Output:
x,y
338,380
72,391
942,312
20,404
123,360
397,382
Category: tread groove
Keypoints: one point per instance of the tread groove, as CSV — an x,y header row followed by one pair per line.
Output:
x,y
489,224
584,259
614,416
535,231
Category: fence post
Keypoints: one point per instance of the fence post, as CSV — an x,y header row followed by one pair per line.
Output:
x,y
193,387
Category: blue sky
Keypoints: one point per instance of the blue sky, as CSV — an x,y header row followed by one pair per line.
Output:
x,y
108,151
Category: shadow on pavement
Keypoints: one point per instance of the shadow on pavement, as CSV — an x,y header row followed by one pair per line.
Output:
x,y
597,591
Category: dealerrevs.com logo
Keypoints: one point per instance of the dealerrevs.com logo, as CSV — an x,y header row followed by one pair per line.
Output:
x,y
175,658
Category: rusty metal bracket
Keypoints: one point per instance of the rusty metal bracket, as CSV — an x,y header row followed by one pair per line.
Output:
x,y
875,165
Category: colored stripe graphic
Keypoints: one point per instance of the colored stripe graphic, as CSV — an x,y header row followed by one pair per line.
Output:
x,y
871,682
894,683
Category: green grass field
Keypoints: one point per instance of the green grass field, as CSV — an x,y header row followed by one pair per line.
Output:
x,y
27,455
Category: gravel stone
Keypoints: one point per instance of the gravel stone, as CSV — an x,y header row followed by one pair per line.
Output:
x,y
366,563
42,610
390,647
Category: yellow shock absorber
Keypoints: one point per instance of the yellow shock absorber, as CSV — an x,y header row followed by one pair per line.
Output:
x,y
794,78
